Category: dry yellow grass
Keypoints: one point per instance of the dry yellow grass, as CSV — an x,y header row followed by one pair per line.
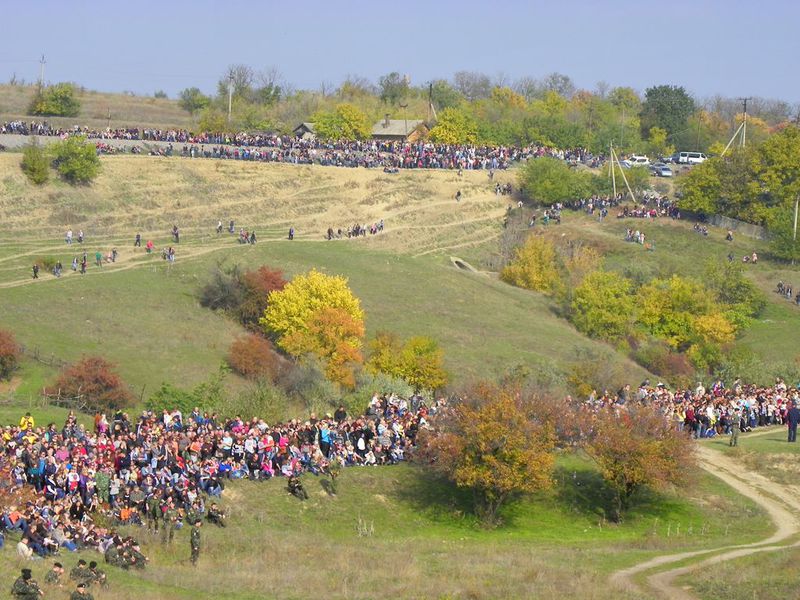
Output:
x,y
100,110
150,194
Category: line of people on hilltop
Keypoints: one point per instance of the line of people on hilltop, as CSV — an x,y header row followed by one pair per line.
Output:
x,y
159,470
355,230
389,155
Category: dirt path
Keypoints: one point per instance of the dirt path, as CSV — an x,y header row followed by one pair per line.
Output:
x,y
780,502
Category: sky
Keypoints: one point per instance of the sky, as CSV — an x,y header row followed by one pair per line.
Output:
x,y
733,48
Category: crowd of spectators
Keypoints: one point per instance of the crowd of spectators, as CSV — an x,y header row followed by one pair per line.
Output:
x,y
158,469
389,155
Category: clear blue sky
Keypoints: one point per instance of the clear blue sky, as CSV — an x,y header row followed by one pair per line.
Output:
x,y
734,47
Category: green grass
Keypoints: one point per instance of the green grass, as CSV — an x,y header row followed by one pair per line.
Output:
x,y
765,576
425,544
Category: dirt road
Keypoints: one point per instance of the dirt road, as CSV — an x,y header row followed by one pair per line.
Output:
x,y
779,501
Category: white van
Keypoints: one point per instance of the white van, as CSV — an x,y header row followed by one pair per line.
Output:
x,y
639,161
691,158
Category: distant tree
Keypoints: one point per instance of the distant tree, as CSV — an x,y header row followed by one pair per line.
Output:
x,y
472,85
253,356
292,309
394,88
454,126
213,119
603,306
783,243
355,87
625,98
35,164
668,107
94,379
547,180
241,78
75,158
160,94
422,364
444,95
534,266
335,336
257,286
345,122
638,447
193,100
10,354
529,88
497,444
269,89
419,361
560,84
59,100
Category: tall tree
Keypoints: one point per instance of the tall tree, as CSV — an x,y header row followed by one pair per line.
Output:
x,y
241,78
394,88
472,85
498,444
668,107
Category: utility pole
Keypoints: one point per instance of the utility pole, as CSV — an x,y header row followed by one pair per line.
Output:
x,y
42,62
794,236
230,95
744,122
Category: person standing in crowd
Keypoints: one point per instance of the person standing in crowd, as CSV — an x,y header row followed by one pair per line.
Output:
x,y
792,419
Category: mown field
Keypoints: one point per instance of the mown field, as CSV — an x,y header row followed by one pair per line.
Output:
x,y
99,109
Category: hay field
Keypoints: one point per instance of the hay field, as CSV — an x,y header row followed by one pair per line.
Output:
x,y
99,109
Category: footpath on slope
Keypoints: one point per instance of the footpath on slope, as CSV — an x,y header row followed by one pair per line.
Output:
x,y
776,499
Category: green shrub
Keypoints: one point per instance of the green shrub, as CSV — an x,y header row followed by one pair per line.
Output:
x,y
56,101
75,159
225,289
46,263
168,397
261,400
35,164
307,382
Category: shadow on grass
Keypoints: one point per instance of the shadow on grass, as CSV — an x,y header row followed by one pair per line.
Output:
x,y
584,491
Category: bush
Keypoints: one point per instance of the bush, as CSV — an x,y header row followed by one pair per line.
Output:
x,y
224,291
56,101
10,354
658,358
75,159
94,379
534,266
46,263
168,397
35,164
308,383
254,357
258,285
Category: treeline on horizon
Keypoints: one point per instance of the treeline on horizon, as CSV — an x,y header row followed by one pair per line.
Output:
x,y
476,108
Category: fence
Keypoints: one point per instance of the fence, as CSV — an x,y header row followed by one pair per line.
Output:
x,y
748,229
35,354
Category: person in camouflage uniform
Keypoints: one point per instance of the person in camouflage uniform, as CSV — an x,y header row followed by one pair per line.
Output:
x,y
153,511
114,557
80,593
102,484
195,541
53,576
80,572
216,515
170,520
25,588
98,575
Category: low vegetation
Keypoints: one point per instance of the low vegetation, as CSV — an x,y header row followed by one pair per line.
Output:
x,y
94,381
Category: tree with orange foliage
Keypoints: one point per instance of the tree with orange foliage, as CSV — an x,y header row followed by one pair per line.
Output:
x,y
94,380
637,447
335,336
258,285
9,354
495,443
253,356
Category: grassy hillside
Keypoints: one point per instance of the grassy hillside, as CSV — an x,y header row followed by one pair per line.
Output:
x,y
99,109
422,543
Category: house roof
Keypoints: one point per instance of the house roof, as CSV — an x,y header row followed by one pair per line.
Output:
x,y
396,127
307,126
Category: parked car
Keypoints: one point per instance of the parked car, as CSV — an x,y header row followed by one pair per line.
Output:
x,y
691,158
661,170
639,160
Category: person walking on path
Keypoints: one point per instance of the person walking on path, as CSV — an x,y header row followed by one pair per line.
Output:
x,y
792,419
35,271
